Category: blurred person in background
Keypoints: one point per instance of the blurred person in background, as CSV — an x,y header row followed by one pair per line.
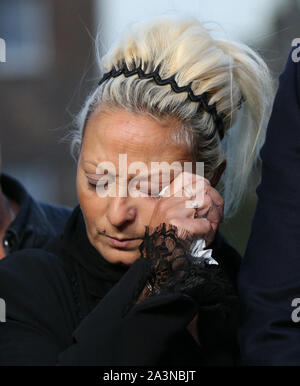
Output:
x,y
123,285
25,222
269,278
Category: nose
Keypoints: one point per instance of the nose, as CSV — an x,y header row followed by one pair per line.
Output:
x,y
121,211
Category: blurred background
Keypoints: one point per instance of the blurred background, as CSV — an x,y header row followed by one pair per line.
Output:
x,y
50,68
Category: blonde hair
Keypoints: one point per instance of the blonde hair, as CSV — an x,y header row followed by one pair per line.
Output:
x,y
225,70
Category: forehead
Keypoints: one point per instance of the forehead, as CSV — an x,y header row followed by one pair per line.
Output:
x,y
141,137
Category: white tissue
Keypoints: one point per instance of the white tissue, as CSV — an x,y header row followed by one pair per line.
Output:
x,y
197,250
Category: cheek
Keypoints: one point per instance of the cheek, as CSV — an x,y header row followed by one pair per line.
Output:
x,y
83,192
146,208
91,205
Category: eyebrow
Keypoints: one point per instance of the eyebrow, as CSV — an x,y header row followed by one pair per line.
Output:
x,y
129,178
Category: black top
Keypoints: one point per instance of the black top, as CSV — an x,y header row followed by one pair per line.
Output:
x,y
36,223
70,306
269,280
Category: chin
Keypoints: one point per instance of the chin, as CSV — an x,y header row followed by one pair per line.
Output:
x,y
114,255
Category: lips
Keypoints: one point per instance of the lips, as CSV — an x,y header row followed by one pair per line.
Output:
x,y
121,243
116,238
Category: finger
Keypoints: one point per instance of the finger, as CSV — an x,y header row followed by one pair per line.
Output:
x,y
216,210
184,184
204,229
191,184
198,228
208,210
186,207
209,236
199,188
179,211
216,197
211,212
212,216
207,195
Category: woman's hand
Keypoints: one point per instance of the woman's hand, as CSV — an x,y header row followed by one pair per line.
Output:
x,y
174,207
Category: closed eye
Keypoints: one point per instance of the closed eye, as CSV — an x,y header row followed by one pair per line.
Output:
x,y
149,195
92,184
98,183
154,196
95,180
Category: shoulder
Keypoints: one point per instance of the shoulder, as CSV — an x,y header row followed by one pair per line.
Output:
x,y
57,215
55,211
30,263
291,72
34,286
32,273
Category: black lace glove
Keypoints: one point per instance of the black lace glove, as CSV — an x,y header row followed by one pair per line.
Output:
x,y
173,269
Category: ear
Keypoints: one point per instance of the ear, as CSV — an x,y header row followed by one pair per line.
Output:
x,y
218,173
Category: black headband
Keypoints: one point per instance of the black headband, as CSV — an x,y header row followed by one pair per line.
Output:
x,y
203,98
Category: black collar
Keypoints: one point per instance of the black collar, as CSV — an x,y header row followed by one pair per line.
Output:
x,y
100,275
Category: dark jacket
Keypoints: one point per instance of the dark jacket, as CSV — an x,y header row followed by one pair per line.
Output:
x,y
69,306
36,223
269,278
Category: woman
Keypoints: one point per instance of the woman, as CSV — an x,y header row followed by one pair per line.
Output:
x,y
126,284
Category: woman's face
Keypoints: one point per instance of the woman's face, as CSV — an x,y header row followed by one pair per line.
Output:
x,y
121,216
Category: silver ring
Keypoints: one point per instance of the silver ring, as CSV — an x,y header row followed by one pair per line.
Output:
x,y
195,205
